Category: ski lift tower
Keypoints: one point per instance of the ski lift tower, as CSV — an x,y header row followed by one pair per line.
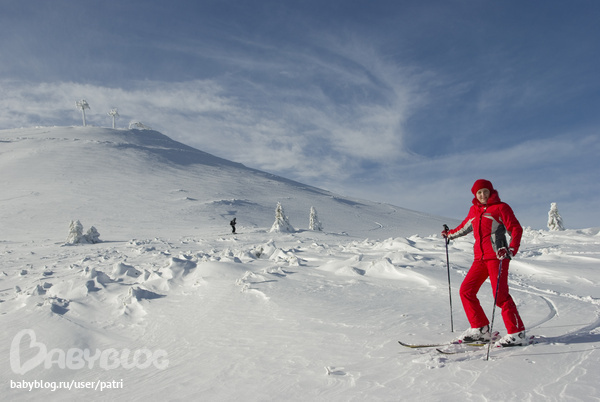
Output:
x,y
113,113
82,104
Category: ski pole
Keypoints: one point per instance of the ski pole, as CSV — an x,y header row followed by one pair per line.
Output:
x,y
446,228
495,299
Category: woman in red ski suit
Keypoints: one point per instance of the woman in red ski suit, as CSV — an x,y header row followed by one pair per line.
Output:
x,y
489,219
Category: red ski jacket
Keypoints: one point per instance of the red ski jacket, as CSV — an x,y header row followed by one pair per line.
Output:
x,y
489,224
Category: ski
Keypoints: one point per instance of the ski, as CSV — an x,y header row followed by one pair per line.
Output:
x,y
455,342
531,341
436,345
423,345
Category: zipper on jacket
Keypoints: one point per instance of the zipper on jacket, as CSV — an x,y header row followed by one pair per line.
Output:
x,y
481,233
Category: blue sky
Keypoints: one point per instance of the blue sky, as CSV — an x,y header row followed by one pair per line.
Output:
x,y
405,102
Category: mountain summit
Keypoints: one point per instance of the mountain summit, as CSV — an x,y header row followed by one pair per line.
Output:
x,y
136,183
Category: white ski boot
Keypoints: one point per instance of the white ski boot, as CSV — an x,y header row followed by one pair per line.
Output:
x,y
476,335
518,339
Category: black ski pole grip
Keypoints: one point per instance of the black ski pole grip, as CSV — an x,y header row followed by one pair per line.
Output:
x,y
447,229
505,245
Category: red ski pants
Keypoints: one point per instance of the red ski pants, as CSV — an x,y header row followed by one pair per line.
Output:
x,y
479,272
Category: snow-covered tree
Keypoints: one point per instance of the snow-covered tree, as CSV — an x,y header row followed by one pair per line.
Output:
x,y
76,235
137,125
314,223
82,104
75,232
114,114
554,219
281,223
92,236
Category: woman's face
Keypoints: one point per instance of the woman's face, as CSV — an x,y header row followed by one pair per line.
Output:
x,y
483,195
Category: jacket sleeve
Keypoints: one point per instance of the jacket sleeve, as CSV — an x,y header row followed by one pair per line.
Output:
x,y
513,227
464,228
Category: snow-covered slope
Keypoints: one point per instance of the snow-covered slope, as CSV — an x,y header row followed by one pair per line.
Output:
x,y
140,183
170,306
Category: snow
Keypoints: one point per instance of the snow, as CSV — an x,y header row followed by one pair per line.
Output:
x,y
171,306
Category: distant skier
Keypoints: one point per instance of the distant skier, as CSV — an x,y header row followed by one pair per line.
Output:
x,y
232,223
489,219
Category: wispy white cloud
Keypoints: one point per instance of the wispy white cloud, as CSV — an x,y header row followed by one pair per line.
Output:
x,y
306,126
54,102
528,175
